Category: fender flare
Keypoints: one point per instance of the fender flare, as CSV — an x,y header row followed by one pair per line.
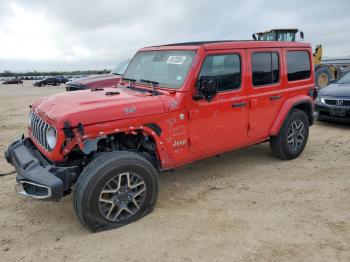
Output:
x,y
164,158
294,102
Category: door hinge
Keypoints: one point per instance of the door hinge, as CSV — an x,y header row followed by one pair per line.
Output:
x,y
251,126
192,114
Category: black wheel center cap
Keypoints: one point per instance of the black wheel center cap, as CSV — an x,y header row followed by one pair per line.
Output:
x,y
123,196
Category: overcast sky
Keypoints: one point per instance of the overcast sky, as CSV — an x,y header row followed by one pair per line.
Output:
x,y
91,34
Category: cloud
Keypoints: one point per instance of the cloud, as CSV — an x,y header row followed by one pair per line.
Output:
x,y
91,34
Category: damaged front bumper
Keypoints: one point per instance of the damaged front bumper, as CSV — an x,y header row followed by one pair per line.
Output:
x,y
37,177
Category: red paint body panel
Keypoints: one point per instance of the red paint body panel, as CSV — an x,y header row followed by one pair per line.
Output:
x,y
90,107
191,130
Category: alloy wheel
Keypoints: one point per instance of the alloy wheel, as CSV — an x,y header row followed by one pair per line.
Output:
x,y
122,196
296,135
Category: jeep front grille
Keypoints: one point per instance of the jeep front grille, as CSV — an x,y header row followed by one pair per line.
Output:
x,y
39,127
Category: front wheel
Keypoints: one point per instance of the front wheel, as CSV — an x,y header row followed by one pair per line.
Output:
x,y
293,136
114,190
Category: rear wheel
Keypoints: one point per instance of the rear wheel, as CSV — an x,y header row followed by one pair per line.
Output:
x,y
114,190
293,136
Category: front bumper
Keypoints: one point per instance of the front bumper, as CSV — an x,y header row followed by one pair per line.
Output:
x,y
37,177
325,113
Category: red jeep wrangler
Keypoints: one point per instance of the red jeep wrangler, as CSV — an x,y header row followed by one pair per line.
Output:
x,y
175,104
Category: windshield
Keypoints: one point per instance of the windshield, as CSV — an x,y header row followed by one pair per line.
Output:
x,y
345,79
168,68
120,68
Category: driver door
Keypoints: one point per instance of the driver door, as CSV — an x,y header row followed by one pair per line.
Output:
x,y
221,123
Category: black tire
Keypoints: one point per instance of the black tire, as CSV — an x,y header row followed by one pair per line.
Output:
x,y
279,144
323,76
98,173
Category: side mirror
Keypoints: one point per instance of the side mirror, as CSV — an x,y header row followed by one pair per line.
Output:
x,y
208,88
301,35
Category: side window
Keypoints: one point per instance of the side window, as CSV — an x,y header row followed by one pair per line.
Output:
x,y
265,68
298,65
227,68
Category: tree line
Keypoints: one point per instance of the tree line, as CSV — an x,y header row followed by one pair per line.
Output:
x,y
8,73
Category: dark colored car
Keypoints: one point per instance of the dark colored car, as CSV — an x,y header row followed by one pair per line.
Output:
x,y
63,79
333,101
99,81
53,81
13,81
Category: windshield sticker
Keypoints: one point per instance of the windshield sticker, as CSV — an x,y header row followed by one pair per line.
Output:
x,y
176,60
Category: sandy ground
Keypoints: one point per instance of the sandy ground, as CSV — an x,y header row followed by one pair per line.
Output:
x,y
242,206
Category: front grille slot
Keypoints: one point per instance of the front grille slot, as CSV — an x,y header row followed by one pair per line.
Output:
x,y
39,128
333,102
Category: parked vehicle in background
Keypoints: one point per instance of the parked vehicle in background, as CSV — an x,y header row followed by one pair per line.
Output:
x,y
175,104
99,81
14,81
62,79
54,81
333,101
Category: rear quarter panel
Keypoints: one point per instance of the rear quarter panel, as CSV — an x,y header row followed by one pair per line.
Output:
x,y
294,92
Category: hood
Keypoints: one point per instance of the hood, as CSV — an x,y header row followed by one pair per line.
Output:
x,y
335,90
105,80
91,107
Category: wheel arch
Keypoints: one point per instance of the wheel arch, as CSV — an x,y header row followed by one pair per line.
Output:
x,y
150,130
304,103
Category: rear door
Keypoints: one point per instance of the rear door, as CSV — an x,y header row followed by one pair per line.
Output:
x,y
265,85
222,122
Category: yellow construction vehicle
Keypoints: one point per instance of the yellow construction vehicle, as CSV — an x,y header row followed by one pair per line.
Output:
x,y
326,70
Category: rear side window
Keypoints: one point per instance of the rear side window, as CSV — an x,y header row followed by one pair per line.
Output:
x,y
227,68
298,65
265,68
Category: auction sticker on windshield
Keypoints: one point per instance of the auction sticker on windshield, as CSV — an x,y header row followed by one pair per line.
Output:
x,y
177,60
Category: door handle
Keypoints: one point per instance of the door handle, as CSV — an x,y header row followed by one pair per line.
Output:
x,y
242,104
275,97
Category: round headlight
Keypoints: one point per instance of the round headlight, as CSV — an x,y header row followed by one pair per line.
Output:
x,y
51,137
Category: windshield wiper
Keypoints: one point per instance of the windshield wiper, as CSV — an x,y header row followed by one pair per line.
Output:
x,y
130,80
154,84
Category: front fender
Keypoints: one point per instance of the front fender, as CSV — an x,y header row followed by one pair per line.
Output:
x,y
300,101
